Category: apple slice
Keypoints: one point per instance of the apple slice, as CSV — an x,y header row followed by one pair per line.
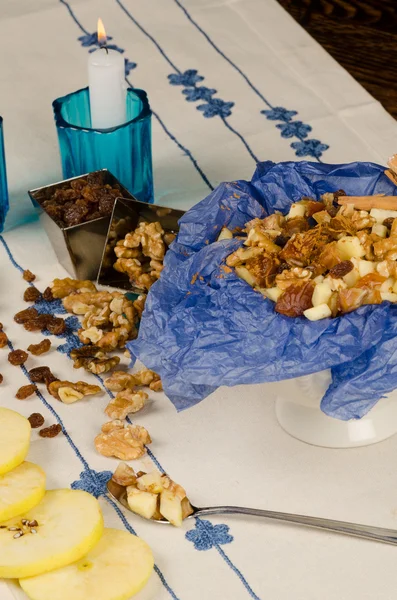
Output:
x,y
14,439
62,529
115,569
21,489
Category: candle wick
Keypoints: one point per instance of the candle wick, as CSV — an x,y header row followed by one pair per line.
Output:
x,y
106,48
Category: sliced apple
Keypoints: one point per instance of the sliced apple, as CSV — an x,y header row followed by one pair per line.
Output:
x,y
296,210
21,489
142,503
117,568
14,439
365,267
322,293
225,234
349,247
246,275
379,229
380,214
171,507
69,524
321,311
150,482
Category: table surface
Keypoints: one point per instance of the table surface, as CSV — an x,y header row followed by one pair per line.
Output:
x,y
360,35
229,448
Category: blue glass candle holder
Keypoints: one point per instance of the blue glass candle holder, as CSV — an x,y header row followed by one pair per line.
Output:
x,y
125,150
3,180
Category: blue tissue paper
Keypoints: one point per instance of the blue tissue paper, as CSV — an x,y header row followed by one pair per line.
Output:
x,y
204,327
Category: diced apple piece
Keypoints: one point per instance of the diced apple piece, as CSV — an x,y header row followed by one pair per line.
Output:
x,y
351,278
389,296
380,214
318,279
246,275
186,508
321,311
273,293
387,285
379,230
171,507
150,482
335,283
296,210
142,503
349,247
365,267
117,568
225,234
322,293
395,288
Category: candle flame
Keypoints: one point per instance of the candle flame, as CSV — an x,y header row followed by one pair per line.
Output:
x,y
101,33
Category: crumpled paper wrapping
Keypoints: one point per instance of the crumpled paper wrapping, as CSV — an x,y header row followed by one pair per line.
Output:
x,y
204,327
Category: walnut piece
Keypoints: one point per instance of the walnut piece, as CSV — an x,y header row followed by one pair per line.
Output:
x,y
120,380
126,402
293,276
125,443
69,392
61,288
124,475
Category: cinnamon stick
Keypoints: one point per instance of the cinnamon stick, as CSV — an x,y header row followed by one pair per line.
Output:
x,y
368,202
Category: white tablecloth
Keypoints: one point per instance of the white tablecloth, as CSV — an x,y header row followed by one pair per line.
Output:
x,y
229,449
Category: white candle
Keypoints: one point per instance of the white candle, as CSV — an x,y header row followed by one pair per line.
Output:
x,y
107,85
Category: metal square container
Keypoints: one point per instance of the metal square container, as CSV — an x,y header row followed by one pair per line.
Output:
x,y
126,216
79,248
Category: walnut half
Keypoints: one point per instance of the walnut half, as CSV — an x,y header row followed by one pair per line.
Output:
x,y
126,402
125,443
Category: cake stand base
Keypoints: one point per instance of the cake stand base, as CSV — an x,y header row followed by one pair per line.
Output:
x,y
299,414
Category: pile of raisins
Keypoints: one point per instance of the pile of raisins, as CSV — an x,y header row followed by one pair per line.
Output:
x,y
81,200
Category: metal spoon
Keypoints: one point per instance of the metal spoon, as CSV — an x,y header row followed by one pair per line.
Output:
x,y
367,532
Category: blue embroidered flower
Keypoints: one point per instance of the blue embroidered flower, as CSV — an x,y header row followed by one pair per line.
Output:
x,y
55,307
309,148
90,39
93,482
216,107
188,78
128,66
278,113
206,535
198,93
294,129
72,342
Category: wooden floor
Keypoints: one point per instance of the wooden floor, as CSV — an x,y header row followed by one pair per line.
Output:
x,y
361,35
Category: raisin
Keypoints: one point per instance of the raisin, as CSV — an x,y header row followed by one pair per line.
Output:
x,y
342,269
50,432
106,206
1,326
388,222
56,325
40,374
312,207
74,215
17,357
47,295
339,193
36,420
3,339
1,378
37,324
28,276
25,391
31,294
26,315
281,240
40,348
295,300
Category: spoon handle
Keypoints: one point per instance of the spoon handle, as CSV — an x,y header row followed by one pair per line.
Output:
x,y
368,532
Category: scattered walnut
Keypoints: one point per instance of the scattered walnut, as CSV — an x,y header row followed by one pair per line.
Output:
x,y
102,365
111,425
40,348
41,375
156,385
28,276
120,380
36,420
125,443
64,287
31,294
50,432
26,315
124,403
292,276
17,357
124,475
3,339
25,391
69,392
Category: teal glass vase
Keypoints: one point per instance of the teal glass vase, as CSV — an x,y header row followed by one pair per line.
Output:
x,y
125,150
3,180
